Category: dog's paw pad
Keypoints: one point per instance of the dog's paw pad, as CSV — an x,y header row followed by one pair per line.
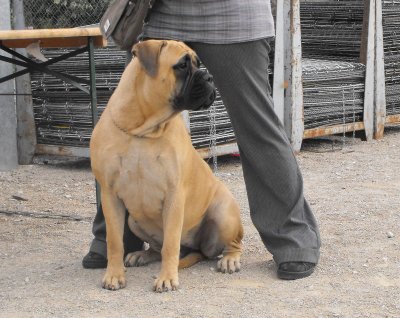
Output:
x,y
229,264
165,284
113,282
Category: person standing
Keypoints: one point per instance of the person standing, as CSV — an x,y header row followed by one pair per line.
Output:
x,y
232,39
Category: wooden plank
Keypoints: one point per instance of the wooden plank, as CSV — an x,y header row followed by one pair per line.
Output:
x,y
99,41
364,33
370,75
293,114
332,130
393,119
296,83
62,151
220,150
48,33
279,66
52,38
380,90
83,152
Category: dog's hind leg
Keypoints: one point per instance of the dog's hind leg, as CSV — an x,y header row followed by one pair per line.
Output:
x,y
230,261
141,258
223,232
190,259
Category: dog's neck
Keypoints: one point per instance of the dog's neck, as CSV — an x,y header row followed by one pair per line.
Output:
x,y
152,128
129,115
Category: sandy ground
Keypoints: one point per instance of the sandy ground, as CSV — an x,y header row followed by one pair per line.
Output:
x,y
354,191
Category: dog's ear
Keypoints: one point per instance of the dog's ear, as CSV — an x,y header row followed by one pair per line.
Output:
x,y
148,53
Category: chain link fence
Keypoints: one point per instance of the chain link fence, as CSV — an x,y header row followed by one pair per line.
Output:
x,y
45,14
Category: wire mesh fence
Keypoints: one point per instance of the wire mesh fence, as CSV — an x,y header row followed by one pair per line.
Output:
x,y
331,29
45,14
333,83
63,112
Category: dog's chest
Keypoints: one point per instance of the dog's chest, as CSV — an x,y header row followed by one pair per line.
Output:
x,y
142,182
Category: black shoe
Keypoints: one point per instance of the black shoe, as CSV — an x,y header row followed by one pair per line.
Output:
x,y
94,260
295,270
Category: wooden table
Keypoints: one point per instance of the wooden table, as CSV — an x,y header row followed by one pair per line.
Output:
x,y
80,39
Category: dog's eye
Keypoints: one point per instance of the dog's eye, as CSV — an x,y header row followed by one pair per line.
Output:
x,y
181,66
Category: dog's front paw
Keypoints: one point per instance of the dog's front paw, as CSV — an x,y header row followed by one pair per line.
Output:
x,y
229,263
114,279
166,282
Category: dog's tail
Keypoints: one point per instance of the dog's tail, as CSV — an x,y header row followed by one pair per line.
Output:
x,y
190,259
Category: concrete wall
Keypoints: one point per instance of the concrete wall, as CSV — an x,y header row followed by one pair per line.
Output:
x,y
8,118
26,132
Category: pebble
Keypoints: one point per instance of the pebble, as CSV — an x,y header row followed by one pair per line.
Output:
x,y
26,279
390,234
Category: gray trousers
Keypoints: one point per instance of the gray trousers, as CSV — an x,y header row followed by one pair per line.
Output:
x,y
273,180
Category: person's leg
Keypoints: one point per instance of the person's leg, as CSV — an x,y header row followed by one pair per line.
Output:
x,y
273,180
97,256
99,244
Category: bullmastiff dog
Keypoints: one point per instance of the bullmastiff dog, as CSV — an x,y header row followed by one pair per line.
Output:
x,y
144,161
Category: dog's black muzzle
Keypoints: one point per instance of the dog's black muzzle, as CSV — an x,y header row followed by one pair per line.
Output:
x,y
198,92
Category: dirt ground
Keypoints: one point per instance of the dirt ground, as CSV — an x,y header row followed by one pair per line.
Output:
x,y
353,188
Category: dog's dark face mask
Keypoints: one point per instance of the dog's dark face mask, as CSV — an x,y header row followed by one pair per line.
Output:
x,y
197,91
